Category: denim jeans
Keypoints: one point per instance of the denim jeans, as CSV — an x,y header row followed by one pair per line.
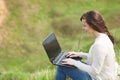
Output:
x,y
73,73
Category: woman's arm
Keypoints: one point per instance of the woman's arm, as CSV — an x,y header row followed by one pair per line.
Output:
x,y
83,55
97,63
77,54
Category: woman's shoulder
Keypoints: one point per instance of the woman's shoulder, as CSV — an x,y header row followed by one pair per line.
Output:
x,y
103,41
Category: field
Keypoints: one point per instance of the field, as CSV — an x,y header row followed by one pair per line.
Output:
x,y
22,56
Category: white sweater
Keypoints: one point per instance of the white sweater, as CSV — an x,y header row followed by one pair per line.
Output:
x,y
100,59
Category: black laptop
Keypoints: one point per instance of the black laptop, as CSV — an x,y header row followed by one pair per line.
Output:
x,y
53,50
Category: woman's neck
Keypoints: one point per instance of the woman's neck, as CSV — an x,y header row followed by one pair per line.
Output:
x,y
96,33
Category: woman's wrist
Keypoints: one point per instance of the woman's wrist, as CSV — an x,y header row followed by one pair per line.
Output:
x,y
80,54
83,55
77,63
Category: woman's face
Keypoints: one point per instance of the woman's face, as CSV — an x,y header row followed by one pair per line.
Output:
x,y
86,27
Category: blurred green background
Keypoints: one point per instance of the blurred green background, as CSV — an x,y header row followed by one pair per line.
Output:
x,y
22,56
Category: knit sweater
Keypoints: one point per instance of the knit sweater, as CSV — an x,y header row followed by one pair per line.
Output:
x,y
100,59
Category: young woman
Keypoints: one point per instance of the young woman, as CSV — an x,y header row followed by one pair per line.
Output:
x,y
100,63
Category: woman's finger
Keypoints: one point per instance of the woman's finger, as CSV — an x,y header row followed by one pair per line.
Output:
x,y
69,54
64,61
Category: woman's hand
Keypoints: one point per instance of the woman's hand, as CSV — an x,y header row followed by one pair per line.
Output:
x,y
72,54
69,61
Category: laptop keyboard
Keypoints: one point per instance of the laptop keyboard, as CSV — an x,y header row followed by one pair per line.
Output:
x,y
59,59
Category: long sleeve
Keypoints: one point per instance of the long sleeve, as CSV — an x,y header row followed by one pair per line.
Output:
x,y
100,60
83,55
97,63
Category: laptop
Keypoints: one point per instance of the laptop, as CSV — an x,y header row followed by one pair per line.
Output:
x,y
53,50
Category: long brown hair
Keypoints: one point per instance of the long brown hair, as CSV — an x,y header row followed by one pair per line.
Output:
x,y
95,20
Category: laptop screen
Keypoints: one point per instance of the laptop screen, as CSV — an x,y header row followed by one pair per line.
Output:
x,y
51,46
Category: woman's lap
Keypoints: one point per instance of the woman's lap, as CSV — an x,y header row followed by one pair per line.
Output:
x,y
74,73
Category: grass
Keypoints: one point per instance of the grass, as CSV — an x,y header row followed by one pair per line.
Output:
x,y
46,74
22,56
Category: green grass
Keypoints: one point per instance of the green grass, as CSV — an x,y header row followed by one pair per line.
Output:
x,y
46,74
22,56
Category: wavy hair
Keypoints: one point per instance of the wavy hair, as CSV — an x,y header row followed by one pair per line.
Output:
x,y
96,22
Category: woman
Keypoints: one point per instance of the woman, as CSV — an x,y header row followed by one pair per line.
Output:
x,y
100,63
